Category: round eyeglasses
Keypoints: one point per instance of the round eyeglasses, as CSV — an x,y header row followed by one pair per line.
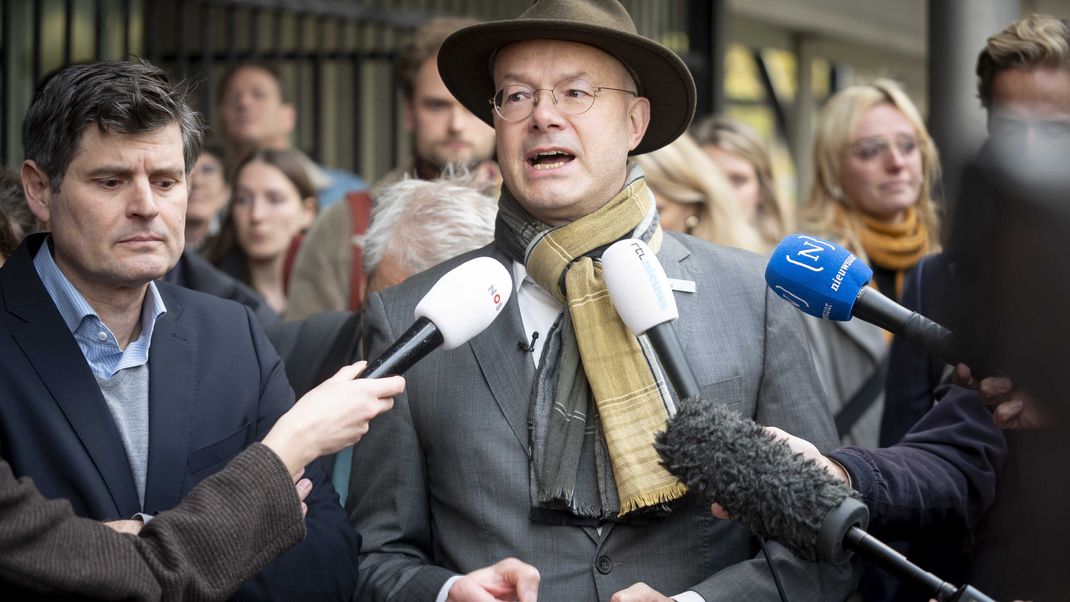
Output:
x,y
571,96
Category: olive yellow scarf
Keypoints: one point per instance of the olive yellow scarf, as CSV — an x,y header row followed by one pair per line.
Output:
x,y
590,353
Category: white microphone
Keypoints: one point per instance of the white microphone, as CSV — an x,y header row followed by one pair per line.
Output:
x,y
641,293
462,304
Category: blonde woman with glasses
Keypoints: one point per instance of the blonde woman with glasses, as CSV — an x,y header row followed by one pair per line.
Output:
x,y
875,170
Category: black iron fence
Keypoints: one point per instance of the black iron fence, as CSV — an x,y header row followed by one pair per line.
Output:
x,y
335,56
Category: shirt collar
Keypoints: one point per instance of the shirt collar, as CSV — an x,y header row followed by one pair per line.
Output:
x,y
73,307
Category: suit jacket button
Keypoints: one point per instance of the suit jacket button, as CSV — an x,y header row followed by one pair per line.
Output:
x,y
604,565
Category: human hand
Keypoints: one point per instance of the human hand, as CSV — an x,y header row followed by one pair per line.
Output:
x,y
132,527
1012,408
332,416
303,487
798,446
508,579
640,592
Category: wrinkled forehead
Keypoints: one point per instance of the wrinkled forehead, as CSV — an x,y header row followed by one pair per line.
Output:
x,y
253,77
1041,92
544,60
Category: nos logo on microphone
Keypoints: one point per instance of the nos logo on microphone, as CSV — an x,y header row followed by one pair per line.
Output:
x,y
495,297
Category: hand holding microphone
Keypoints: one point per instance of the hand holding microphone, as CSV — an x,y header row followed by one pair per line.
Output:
x,y
462,304
733,460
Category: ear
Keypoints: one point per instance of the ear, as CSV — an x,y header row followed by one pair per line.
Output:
x,y
38,190
638,120
408,114
289,118
308,211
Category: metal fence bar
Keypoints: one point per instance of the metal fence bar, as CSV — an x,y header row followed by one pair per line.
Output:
x,y
98,31
68,30
5,78
206,29
127,9
152,22
182,60
38,18
358,125
320,27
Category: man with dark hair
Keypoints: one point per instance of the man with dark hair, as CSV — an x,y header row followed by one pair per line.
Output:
x,y
443,132
540,449
255,114
87,412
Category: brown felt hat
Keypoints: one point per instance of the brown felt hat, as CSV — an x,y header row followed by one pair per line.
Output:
x,y
464,60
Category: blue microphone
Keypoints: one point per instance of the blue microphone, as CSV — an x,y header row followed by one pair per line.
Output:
x,y
816,276
829,282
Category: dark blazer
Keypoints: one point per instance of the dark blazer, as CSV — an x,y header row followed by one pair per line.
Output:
x,y
440,483
941,476
195,272
223,532
913,374
215,386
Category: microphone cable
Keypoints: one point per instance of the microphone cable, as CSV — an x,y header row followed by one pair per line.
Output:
x,y
772,569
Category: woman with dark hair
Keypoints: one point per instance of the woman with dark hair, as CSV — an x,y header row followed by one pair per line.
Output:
x,y
272,203
208,195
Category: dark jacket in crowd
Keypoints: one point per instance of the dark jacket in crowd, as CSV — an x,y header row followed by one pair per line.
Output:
x,y
216,386
197,273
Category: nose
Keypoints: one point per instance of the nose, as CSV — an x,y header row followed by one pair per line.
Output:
x,y
257,209
894,159
142,201
545,115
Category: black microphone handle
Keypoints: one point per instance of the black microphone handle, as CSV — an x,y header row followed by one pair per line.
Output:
x,y
421,338
882,555
873,307
671,353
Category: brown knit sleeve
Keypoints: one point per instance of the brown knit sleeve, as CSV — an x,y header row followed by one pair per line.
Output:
x,y
222,533
226,529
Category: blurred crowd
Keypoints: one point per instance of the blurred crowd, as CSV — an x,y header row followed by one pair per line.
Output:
x,y
316,254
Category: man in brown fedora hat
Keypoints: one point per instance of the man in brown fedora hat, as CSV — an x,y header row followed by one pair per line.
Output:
x,y
533,441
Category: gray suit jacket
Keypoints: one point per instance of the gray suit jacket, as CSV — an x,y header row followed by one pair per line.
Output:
x,y
846,354
440,484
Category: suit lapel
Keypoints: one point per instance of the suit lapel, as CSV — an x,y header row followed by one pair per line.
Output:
x,y
172,384
867,336
509,379
671,254
51,349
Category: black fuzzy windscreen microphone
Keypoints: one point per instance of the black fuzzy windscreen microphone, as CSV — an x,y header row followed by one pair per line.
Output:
x,y
731,460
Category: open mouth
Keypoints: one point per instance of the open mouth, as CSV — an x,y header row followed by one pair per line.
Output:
x,y
550,159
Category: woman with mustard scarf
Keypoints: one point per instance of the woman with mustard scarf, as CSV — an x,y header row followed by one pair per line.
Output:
x,y
875,166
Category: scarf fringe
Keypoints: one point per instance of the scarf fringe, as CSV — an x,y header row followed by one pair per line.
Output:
x,y
661,495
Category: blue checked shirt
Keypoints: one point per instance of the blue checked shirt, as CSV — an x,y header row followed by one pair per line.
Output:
x,y
98,344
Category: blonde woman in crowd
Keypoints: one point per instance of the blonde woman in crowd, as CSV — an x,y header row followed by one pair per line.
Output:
x,y
693,195
272,203
744,159
875,169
